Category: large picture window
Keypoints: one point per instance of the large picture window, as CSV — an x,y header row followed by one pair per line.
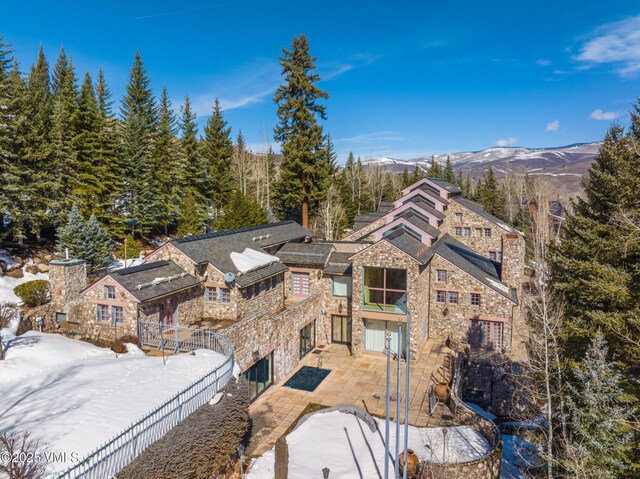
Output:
x,y
385,289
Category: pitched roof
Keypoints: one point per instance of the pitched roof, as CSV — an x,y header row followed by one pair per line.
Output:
x,y
418,221
154,280
215,248
309,254
477,208
254,276
338,264
477,266
427,189
360,221
422,203
385,206
407,243
453,189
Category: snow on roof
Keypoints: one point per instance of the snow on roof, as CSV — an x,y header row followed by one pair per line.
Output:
x,y
250,259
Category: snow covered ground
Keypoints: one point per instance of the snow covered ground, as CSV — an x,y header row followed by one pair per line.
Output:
x,y
73,396
7,284
345,444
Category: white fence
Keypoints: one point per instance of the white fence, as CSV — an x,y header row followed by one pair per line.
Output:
x,y
107,460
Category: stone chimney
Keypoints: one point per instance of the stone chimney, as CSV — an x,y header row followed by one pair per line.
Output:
x,y
67,278
513,250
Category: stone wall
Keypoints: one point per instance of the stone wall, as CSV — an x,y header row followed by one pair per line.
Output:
x,y
487,467
384,255
67,278
453,319
315,277
256,336
85,311
217,310
271,300
470,219
169,252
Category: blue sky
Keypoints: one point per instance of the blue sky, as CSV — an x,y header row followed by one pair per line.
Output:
x,y
405,78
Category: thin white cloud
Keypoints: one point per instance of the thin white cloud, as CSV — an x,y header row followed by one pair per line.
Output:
x,y
617,44
329,71
371,137
543,62
507,141
553,126
598,114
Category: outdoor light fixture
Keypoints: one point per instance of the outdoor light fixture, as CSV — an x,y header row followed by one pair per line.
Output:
x,y
325,472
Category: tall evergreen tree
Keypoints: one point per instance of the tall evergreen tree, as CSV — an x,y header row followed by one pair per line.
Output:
x,y
138,127
600,432
298,131
108,157
38,175
435,170
63,132
8,127
195,172
448,173
168,165
217,151
88,241
490,196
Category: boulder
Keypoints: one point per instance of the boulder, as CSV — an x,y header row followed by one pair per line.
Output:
x,y
48,257
43,267
32,268
15,273
19,260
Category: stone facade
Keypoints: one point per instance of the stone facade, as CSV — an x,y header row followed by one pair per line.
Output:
x,y
67,279
470,219
385,255
85,311
256,336
453,319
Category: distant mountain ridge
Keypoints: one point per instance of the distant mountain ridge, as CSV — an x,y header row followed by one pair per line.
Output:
x,y
562,167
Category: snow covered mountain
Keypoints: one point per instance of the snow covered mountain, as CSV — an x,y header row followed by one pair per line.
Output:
x,y
562,166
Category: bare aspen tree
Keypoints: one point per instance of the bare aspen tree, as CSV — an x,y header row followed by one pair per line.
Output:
x,y
21,449
331,214
376,181
7,313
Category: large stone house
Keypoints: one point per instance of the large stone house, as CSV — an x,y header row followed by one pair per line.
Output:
x,y
431,257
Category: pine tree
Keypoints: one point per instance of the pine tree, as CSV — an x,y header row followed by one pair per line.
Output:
x,y
298,131
600,432
435,170
108,159
217,151
168,165
241,164
240,212
195,171
190,219
406,179
129,249
37,175
448,173
63,132
8,127
417,175
139,121
87,241
490,196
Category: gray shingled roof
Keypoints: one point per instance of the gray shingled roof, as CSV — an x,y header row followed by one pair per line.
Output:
x,y
427,189
215,248
406,242
419,201
385,206
446,185
251,277
144,274
477,208
417,220
360,221
339,264
477,266
308,254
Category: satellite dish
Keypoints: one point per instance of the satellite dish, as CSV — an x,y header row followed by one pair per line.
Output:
x,y
229,277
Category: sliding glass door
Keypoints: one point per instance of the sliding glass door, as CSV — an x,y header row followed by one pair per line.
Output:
x,y
340,329
375,334
260,375
307,338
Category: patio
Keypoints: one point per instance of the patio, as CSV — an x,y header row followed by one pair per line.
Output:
x,y
358,381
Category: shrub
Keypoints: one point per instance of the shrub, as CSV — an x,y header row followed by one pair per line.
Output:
x,y
120,344
203,445
131,248
33,293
